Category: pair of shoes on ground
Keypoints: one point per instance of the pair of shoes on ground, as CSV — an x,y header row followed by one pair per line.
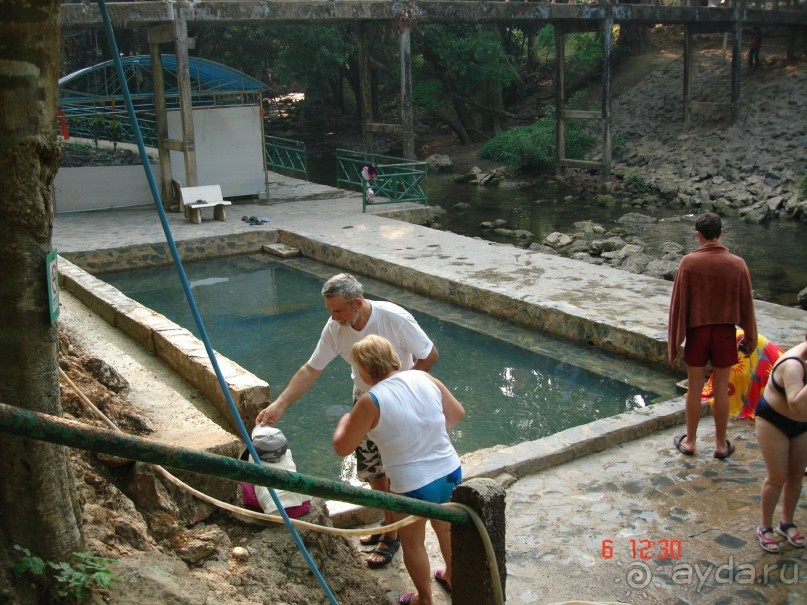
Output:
x,y
386,549
772,544
678,442
254,220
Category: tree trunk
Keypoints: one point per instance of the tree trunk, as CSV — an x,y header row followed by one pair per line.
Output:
x,y
454,124
37,489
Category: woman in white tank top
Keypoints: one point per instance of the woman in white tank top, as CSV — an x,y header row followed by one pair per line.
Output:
x,y
407,414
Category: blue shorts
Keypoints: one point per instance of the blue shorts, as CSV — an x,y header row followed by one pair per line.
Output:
x,y
439,490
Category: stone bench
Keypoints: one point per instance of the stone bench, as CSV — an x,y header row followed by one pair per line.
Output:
x,y
193,199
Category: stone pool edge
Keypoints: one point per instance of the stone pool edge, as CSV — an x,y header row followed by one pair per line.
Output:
x,y
507,464
176,346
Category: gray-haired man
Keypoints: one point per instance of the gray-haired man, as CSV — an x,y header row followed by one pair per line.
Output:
x,y
352,318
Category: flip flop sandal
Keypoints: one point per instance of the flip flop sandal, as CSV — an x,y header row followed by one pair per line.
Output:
x,y
796,539
767,544
406,598
373,539
727,453
387,553
678,443
439,577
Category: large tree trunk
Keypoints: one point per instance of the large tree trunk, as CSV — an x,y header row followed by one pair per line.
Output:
x,y
37,490
454,124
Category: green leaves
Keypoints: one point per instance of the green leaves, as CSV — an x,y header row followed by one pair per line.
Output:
x,y
69,582
533,147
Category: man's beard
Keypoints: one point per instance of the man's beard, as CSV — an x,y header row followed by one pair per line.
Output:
x,y
352,320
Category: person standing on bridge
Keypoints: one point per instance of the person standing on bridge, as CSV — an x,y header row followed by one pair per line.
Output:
x,y
754,44
711,295
352,318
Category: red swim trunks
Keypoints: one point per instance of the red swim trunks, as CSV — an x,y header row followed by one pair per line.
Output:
x,y
715,342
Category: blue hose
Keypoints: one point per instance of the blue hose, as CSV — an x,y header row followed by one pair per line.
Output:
x,y
189,295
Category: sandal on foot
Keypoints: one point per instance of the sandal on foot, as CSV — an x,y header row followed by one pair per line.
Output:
x,y
371,540
392,546
727,453
678,442
767,544
796,539
439,577
406,598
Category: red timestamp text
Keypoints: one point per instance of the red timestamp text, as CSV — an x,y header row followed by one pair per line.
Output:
x,y
643,549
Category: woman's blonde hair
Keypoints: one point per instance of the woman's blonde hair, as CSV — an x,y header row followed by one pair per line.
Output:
x,y
375,355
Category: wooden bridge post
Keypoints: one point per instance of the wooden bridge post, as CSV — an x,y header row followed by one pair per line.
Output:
x,y
407,114
736,64
185,100
688,52
560,100
607,39
365,83
156,35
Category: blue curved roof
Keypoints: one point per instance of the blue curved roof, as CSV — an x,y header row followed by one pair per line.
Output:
x,y
206,76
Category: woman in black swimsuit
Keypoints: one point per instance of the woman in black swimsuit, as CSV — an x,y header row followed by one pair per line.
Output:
x,y
781,423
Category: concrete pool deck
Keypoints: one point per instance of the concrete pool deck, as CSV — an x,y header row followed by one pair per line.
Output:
x,y
563,497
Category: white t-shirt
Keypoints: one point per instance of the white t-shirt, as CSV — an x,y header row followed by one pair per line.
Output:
x,y
411,432
387,319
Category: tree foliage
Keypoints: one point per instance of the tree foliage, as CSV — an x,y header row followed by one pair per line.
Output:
x,y
469,77
533,147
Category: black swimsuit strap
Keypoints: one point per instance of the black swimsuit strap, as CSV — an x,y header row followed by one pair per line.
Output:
x,y
779,361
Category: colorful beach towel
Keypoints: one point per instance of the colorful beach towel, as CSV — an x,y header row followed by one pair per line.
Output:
x,y
748,378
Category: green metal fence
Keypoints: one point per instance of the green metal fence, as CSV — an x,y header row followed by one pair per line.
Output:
x,y
107,121
34,425
397,179
286,155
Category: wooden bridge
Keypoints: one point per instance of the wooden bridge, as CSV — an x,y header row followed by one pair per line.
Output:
x,y
167,22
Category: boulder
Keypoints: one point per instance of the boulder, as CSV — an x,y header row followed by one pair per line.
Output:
x,y
557,240
802,298
439,162
536,247
662,269
597,247
153,577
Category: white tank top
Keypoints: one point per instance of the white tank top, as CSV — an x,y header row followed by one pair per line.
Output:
x,y
411,432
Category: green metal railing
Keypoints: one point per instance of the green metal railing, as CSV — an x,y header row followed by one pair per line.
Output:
x,y
108,122
286,155
34,425
397,179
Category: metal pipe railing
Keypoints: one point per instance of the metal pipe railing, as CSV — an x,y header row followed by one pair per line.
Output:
x,y
43,427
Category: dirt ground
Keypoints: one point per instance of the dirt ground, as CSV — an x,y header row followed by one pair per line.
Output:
x,y
129,515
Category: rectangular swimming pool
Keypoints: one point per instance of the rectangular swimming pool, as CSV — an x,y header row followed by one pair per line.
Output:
x,y
516,384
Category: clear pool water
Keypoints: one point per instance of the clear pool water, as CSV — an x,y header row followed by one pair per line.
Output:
x,y
267,316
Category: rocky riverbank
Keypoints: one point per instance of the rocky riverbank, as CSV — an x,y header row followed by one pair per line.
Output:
x,y
749,168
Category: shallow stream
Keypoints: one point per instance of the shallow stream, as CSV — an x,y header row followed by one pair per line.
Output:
x,y
775,252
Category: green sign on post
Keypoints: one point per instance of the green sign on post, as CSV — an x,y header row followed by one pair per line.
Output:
x,y
52,275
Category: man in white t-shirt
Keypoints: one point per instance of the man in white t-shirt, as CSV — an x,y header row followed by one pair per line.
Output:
x,y
352,318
